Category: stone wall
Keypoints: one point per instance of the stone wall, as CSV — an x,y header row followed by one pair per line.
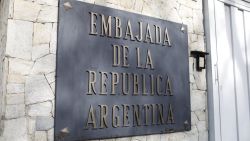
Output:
x,y
31,52
4,10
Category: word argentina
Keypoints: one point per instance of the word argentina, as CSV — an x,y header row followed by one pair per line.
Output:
x,y
126,115
105,24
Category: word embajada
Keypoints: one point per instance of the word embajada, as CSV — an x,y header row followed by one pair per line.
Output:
x,y
105,24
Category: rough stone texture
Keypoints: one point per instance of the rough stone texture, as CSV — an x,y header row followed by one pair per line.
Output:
x,y
45,64
139,138
198,99
48,14
18,45
3,83
39,51
53,86
42,33
40,136
4,10
15,130
19,66
13,88
123,139
53,41
51,134
37,89
40,109
30,61
14,111
26,10
15,99
16,78
50,77
201,114
44,123
48,2
31,125
153,138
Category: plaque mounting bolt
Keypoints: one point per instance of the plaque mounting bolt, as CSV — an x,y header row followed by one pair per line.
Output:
x,y
186,125
182,28
67,6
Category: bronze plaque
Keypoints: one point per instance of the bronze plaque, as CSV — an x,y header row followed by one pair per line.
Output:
x,y
119,74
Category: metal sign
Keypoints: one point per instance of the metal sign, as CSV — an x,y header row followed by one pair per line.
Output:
x,y
119,74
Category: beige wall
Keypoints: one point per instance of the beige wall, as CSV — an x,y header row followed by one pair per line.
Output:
x,y
31,53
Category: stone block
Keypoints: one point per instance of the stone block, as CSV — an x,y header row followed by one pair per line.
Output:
x,y
191,78
185,12
123,139
19,66
201,114
11,9
109,140
44,123
201,126
48,2
88,1
40,109
177,137
193,131
198,100
42,33
127,4
193,137
17,44
44,65
40,136
192,38
138,5
99,2
194,4
16,78
200,80
151,9
198,27
14,111
51,134
198,45
37,89
153,138
39,51
139,138
173,15
203,136
50,77
189,23
15,99
13,88
15,130
164,137
198,21
53,108
26,10
194,119
48,14
53,41
53,87
31,126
